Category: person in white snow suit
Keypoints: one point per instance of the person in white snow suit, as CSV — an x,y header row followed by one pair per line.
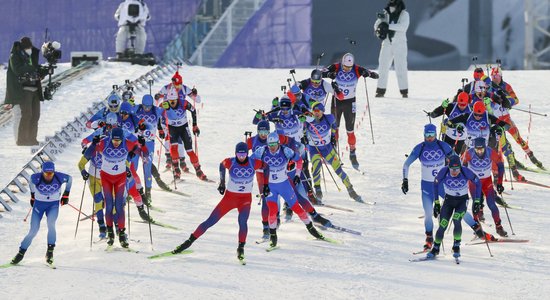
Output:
x,y
131,16
391,28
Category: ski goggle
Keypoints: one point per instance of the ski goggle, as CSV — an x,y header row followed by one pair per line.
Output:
x,y
274,144
241,155
263,132
429,135
316,81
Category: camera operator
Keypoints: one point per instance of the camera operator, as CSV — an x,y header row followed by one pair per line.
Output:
x,y
391,27
131,16
25,90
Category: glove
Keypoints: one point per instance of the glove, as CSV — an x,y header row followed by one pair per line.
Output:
x,y
460,128
500,188
194,91
405,186
476,207
128,173
382,30
486,101
157,96
221,188
437,209
260,113
266,191
142,126
373,75
296,179
65,198
335,87
131,155
96,139
141,140
275,101
32,200
161,134
165,105
85,175
101,123
302,118
333,140
196,130
445,103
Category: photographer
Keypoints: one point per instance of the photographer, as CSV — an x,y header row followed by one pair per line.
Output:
x,y
25,90
131,16
391,27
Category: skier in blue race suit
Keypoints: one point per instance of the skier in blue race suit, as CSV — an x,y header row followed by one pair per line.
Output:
x,y
454,178
275,158
46,195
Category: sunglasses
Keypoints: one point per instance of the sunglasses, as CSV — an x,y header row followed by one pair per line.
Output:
x,y
124,113
147,107
316,81
273,144
478,115
346,68
241,155
263,132
116,140
429,135
49,173
316,110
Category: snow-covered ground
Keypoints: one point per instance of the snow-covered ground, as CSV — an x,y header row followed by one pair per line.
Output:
x,y
373,266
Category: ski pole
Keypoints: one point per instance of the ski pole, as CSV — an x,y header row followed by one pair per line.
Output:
x,y
530,112
323,158
27,216
292,72
507,215
93,209
79,210
368,109
428,114
173,171
150,232
485,237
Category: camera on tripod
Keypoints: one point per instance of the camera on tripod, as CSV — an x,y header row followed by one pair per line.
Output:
x,y
52,53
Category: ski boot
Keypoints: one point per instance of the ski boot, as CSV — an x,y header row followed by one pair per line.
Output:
x,y
183,165
102,231
500,230
429,241
535,161
273,237
49,254
380,93
318,192
519,165
199,172
147,198
288,212
240,251
265,234
110,236
144,215
168,162
499,201
517,175
354,195
353,159
123,238
317,218
456,249
19,256
311,197
185,244
404,93
434,252
141,193
313,231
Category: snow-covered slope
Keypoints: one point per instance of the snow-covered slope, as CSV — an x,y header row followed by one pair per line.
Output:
x,y
372,266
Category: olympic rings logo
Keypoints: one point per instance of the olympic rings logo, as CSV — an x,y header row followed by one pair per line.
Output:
x,y
242,172
180,113
48,188
316,94
273,161
116,153
321,127
288,123
477,125
432,154
126,126
148,118
346,76
97,160
480,163
455,183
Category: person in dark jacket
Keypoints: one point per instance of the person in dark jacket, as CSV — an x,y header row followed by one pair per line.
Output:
x,y
24,89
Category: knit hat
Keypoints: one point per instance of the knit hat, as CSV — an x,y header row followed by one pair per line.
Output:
x,y
26,42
